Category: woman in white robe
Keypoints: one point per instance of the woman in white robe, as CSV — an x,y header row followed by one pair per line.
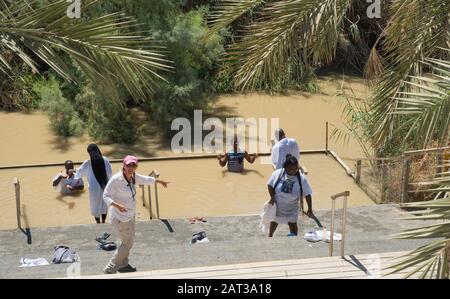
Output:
x,y
286,187
98,171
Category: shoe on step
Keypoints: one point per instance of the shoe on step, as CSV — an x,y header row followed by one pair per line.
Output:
x,y
128,268
107,270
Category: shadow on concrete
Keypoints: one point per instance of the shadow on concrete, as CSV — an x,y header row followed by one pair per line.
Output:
x,y
27,230
169,227
355,262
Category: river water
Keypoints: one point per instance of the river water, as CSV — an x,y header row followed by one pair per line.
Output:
x,y
198,187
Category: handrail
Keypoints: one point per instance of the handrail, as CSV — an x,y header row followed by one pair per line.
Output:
x,y
170,158
344,194
18,212
342,163
154,174
435,149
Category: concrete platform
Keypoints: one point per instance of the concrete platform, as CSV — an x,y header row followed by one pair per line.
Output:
x,y
232,240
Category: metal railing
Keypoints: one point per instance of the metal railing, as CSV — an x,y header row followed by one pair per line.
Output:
x,y
18,212
154,174
397,179
344,194
21,212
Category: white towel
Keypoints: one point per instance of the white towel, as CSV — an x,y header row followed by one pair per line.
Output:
x,y
268,215
336,236
204,240
312,237
33,262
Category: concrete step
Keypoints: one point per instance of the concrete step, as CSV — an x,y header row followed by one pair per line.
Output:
x,y
358,266
233,240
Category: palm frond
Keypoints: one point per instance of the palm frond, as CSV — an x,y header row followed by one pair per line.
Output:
x,y
307,29
430,260
227,11
374,66
95,45
416,29
428,257
425,108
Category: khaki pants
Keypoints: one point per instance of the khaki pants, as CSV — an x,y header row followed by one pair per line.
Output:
x,y
125,231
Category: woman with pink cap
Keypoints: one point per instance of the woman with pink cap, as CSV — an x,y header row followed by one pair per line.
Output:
x,y
120,195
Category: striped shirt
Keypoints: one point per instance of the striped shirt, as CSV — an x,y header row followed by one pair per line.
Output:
x,y
235,161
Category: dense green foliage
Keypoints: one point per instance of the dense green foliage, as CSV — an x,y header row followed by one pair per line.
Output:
x,y
64,119
198,73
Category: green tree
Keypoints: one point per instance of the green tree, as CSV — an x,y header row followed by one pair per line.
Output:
x,y
105,48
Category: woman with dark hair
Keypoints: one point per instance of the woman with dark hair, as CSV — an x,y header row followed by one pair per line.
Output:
x,y
98,171
286,187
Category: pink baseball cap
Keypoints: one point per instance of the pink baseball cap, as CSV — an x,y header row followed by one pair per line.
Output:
x,y
130,159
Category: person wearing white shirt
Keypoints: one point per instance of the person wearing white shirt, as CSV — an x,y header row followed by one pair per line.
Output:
x,y
120,195
98,170
284,146
287,186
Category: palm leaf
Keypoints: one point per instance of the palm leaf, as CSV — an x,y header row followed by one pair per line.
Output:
x,y
284,29
431,258
226,12
416,29
427,105
97,46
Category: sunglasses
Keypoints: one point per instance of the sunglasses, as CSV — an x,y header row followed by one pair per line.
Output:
x,y
131,165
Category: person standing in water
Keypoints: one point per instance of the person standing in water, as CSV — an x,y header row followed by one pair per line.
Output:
x,y
234,159
98,171
284,146
65,182
120,195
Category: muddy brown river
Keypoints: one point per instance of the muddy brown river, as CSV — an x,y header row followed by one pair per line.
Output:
x,y
198,187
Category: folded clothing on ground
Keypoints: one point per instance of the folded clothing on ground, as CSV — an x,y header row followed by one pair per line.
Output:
x,y
26,262
312,237
336,236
